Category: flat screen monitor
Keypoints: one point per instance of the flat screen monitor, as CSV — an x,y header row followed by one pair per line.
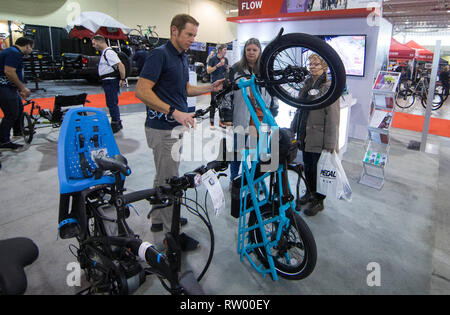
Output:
x,y
351,49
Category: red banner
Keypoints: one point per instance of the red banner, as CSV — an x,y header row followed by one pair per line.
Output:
x,y
276,7
259,7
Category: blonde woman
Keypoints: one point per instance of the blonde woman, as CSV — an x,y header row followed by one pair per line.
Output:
x,y
316,130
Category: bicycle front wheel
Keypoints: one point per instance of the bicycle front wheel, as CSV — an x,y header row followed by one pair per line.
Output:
x,y
286,69
436,103
27,128
405,98
442,92
295,255
135,37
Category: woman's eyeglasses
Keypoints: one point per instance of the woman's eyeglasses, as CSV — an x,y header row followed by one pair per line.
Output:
x,y
318,64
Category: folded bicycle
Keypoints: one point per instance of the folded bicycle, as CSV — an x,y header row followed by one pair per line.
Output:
x,y
35,117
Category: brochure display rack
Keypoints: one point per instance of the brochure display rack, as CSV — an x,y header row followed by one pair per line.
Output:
x,y
378,144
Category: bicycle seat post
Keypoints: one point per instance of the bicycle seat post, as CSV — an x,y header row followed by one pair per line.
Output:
x,y
173,237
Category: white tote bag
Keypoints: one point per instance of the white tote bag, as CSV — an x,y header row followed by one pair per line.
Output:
x,y
326,174
331,177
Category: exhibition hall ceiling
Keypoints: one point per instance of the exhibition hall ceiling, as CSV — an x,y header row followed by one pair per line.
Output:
x,y
417,15
407,15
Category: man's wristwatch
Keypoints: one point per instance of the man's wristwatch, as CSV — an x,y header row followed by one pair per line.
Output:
x,y
172,109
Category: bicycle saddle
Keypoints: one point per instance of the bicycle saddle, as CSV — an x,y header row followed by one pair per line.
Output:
x,y
15,254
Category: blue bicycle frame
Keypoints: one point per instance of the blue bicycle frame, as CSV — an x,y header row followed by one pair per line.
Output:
x,y
255,186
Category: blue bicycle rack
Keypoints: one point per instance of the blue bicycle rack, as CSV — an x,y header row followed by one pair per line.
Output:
x,y
85,132
253,186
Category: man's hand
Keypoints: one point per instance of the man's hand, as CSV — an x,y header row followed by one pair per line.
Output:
x,y
217,85
25,93
122,83
186,119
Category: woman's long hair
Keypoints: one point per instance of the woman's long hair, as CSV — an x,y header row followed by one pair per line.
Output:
x,y
243,64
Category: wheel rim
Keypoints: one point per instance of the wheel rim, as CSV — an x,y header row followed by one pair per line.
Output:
x,y
294,63
287,59
290,255
404,99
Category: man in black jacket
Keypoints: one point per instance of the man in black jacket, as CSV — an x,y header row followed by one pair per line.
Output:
x,y
12,90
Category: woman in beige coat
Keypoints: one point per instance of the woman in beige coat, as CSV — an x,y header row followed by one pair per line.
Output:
x,y
316,130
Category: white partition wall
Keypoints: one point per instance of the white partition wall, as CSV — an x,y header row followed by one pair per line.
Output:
x,y
377,52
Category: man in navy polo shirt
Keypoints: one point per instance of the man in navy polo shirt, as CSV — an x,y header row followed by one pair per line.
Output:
x,y
164,87
12,90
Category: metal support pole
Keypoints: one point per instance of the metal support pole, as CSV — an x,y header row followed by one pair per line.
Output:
x,y
51,42
431,89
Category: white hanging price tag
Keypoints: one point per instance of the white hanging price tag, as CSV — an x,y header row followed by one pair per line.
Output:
x,y
215,191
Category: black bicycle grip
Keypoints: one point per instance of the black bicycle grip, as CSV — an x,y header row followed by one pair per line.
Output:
x,y
217,165
139,195
115,164
201,112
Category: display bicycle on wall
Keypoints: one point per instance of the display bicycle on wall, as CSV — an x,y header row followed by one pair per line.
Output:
x,y
147,37
407,92
94,208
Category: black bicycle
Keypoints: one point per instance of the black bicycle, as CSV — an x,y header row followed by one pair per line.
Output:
x,y
147,37
109,249
35,117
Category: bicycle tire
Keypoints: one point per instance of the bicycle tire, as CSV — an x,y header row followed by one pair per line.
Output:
x,y
303,43
441,91
135,37
407,96
436,103
307,265
153,39
27,128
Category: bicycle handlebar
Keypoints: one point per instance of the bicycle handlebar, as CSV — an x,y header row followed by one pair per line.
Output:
x,y
159,194
290,74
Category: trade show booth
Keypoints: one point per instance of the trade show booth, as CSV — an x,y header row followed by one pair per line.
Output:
x,y
362,45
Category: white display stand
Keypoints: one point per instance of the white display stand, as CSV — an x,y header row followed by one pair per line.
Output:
x,y
378,144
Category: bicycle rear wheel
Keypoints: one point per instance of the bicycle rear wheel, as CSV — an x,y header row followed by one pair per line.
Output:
x,y
152,39
405,98
285,67
295,255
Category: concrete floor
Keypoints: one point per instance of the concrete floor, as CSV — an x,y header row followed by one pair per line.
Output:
x,y
403,227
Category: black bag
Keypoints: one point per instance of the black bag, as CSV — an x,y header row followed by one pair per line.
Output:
x,y
126,61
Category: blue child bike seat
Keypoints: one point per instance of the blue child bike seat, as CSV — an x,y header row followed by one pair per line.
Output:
x,y
85,132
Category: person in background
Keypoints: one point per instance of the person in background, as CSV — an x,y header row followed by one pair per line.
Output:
x,y
12,90
217,69
164,87
112,73
316,130
443,77
248,65
140,56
